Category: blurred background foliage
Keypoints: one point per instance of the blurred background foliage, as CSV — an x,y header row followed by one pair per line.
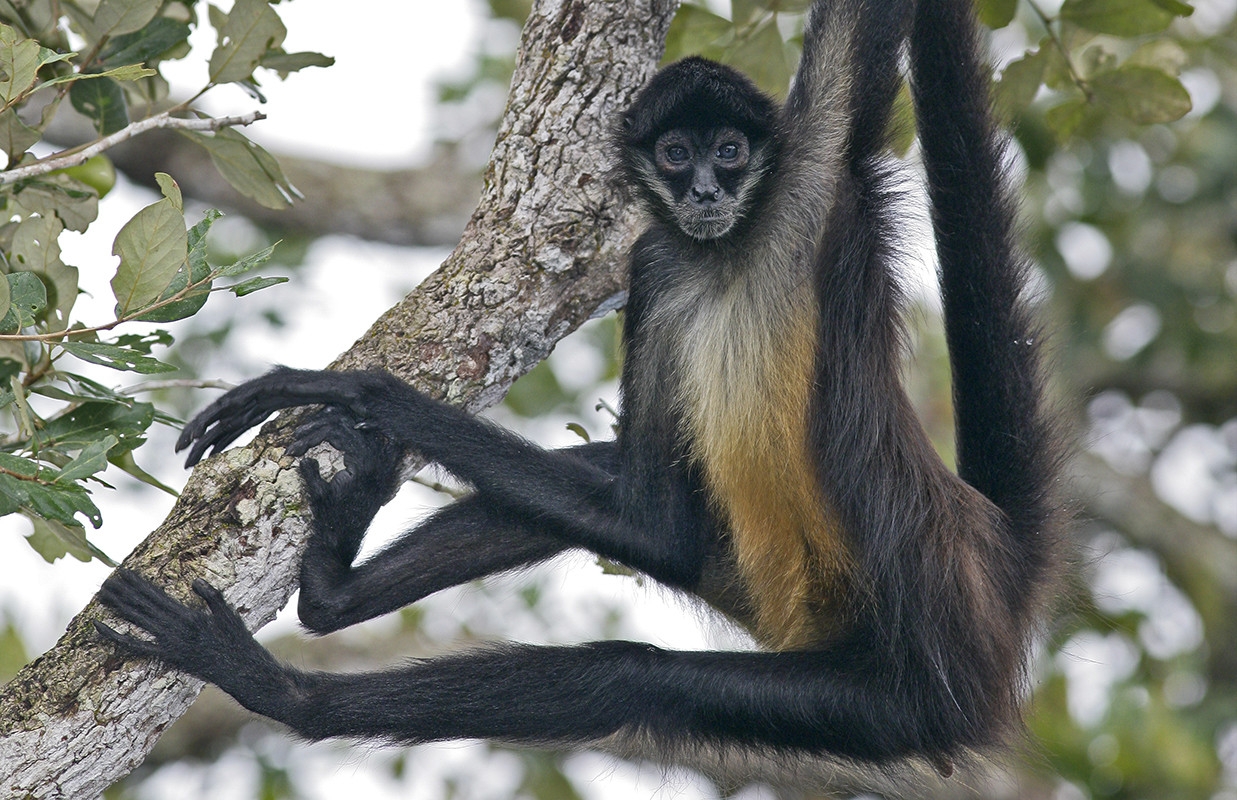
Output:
x,y
1123,118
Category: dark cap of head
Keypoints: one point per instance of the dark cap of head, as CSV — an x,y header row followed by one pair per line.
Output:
x,y
698,93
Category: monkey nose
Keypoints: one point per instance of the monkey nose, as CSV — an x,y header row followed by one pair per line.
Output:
x,y
706,194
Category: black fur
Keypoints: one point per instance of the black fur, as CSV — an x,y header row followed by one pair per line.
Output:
x,y
697,93
946,573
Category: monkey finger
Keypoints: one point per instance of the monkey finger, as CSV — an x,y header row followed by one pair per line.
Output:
x,y
221,422
311,473
130,645
331,425
166,619
223,615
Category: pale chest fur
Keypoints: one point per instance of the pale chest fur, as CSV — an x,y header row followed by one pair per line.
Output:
x,y
747,357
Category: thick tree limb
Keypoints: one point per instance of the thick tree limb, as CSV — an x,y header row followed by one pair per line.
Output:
x,y
541,254
424,205
428,204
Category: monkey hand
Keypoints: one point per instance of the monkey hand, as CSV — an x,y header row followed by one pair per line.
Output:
x,y
211,644
344,506
220,423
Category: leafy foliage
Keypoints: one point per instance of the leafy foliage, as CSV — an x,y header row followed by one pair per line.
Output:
x,y
111,75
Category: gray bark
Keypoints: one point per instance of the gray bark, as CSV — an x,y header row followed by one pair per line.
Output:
x,y
542,253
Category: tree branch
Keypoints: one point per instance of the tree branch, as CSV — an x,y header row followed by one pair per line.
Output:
x,y
540,255
163,120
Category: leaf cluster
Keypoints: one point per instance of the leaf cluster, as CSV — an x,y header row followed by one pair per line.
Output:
x,y
105,57
750,41
1098,59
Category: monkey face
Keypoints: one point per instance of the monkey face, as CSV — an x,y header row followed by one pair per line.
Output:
x,y
701,171
700,176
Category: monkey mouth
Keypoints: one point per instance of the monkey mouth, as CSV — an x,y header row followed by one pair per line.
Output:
x,y
704,224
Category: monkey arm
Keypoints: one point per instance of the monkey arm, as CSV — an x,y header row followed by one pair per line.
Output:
x,y
849,53
635,521
471,538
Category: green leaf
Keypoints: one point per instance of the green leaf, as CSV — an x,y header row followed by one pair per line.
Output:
x,y
34,244
13,654
22,484
102,101
20,467
762,56
118,358
35,249
57,195
1142,94
1162,54
198,234
1064,120
83,390
171,190
117,17
996,13
250,169
254,285
1097,58
152,248
47,56
28,296
158,37
252,29
145,343
56,393
579,430
609,567
19,64
90,422
126,462
1176,7
16,137
54,539
695,31
92,459
6,300
1057,71
742,11
283,63
129,72
248,263
1020,82
63,503
195,271
1118,17
902,121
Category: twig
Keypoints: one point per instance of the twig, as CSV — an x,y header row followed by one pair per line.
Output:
x,y
188,383
439,487
1078,80
163,120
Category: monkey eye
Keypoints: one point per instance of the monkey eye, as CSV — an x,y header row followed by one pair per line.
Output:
x,y
728,152
677,154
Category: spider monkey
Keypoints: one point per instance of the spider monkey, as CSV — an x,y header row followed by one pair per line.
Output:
x,y
768,459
